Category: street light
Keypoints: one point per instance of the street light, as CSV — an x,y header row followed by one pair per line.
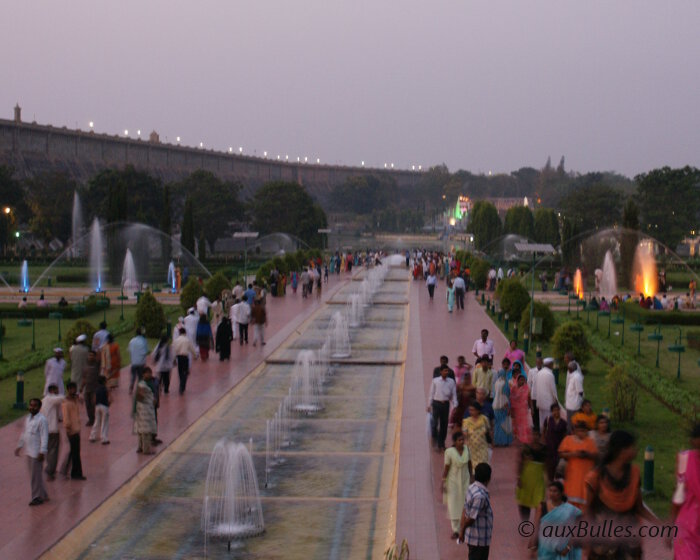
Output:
x,y
245,235
91,125
126,133
324,232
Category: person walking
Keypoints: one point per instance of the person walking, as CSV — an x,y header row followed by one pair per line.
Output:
x,y
259,318
163,359
460,289
243,318
530,489
443,392
546,542
477,432
91,372
483,346
102,402
431,282
111,362
78,353
476,526
520,408
204,337
455,479
53,371
580,453
184,351
503,430
71,423
685,504
574,392
138,351
224,337
544,391
450,294
554,432
51,405
35,440
145,415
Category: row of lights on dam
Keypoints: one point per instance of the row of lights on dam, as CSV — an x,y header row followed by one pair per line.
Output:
x,y
279,157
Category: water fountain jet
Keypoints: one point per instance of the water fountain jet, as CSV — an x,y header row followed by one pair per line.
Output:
x,y
644,271
340,338
96,249
608,281
306,383
129,281
578,284
24,278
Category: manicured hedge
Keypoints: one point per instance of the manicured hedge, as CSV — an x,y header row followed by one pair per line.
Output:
x,y
71,311
636,313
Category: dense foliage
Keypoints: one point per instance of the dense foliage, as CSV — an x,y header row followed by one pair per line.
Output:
x,y
190,293
513,297
544,312
215,285
151,315
81,326
571,337
622,394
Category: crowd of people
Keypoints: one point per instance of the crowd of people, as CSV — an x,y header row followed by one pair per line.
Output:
x,y
569,467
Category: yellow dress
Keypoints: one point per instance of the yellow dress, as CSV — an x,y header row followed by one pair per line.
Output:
x,y
475,434
456,484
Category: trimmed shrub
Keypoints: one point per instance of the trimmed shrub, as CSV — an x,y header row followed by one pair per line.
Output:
x,y
215,285
151,315
479,273
81,326
544,312
622,394
652,317
513,297
190,293
571,337
291,262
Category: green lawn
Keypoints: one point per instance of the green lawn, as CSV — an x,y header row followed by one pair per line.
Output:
x,y
17,347
655,424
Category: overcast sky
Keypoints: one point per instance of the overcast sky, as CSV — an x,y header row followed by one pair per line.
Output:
x,y
479,85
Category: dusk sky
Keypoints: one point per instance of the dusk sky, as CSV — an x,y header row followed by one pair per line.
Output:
x,y
478,85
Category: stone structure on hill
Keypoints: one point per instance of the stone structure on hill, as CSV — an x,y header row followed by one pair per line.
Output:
x,y
33,148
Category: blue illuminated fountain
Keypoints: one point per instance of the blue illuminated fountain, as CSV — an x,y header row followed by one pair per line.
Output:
x,y
171,277
24,286
96,249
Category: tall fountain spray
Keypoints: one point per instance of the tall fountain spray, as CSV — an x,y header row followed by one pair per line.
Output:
x,y
355,310
129,280
340,338
232,508
24,278
608,281
171,277
644,271
578,284
306,383
96,249
76,225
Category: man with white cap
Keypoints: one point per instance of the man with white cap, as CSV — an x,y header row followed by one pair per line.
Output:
x,y
191,320
545,390
78,359
53,371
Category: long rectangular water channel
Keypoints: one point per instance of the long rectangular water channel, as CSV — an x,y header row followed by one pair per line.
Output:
x,y
334,494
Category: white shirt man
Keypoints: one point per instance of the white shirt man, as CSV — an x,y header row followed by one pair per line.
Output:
x,y
483,345
459,283
191,321
544,391
203,305
35,440
53,371
237,291
574,391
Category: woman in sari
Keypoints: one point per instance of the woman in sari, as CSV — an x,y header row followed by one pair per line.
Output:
x,y
613,494
455,479
450,293
477,433
685,507
553,513
530,491
502,431
580,453
520,408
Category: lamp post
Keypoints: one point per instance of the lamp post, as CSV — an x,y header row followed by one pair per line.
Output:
x,y
245,235
324,239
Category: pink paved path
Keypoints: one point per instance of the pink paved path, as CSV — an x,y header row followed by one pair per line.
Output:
x,y
422,518
26,532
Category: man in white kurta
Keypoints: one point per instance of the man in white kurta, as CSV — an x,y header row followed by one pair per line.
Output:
x,y
546,391
53,371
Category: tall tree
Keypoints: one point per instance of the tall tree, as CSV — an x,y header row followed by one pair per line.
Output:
x,y
187,238
519,220
669,202
629,240
591,204
286,207
570,241
215,204
166,225
50,201
547,226
484,224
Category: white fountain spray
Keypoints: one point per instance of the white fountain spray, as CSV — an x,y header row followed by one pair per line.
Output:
x,y
171,277
96,249
129,280
608,282
306,383
340,338
232,508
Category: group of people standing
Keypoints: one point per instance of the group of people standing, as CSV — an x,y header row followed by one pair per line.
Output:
x,y
568,469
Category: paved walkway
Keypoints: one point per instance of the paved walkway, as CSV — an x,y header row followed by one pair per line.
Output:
x,y
422,518
26,532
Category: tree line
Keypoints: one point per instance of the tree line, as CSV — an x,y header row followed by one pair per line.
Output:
x,y
202,207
